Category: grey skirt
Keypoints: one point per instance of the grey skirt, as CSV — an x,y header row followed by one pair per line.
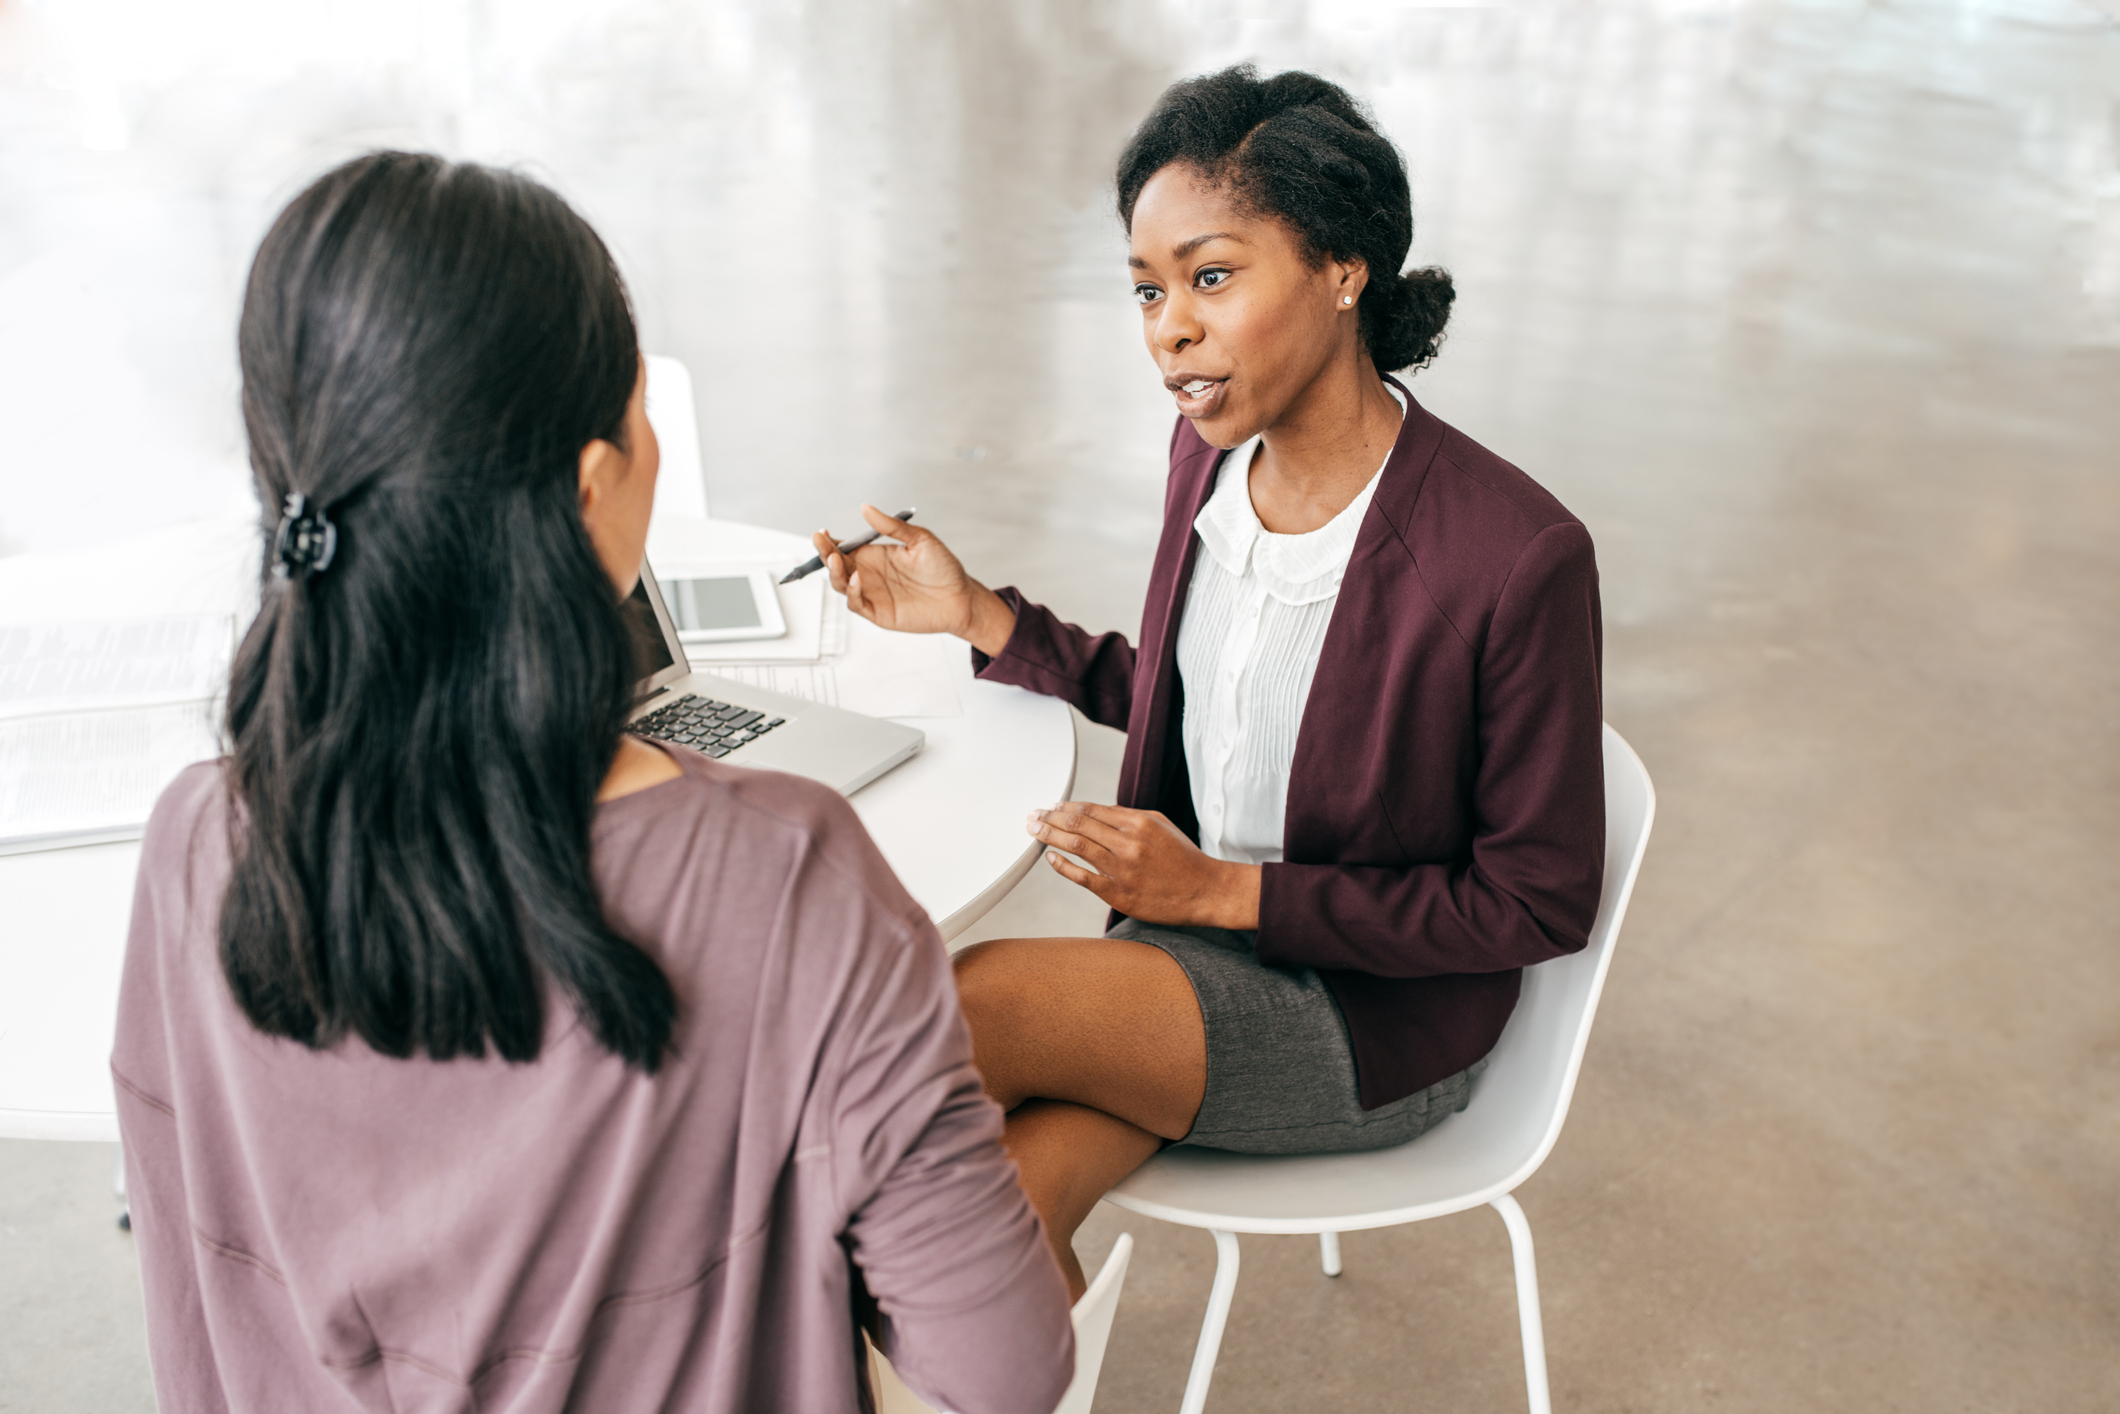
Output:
x,y
1280,1067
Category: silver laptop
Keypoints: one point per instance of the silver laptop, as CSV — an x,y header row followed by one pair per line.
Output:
x,y
749,726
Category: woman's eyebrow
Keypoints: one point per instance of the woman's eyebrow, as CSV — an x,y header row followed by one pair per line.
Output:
x,y
1185,248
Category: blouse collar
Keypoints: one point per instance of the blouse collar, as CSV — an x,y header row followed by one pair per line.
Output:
x,y
1295,569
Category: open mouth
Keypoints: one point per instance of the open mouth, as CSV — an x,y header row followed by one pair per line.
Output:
x,y
1198,395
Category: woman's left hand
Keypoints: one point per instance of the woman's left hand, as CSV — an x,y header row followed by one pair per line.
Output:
x,y
1145,867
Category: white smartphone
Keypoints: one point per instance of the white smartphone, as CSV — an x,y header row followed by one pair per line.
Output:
x,y
723,608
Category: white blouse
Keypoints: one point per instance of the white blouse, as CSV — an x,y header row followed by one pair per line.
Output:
x,y
1248,646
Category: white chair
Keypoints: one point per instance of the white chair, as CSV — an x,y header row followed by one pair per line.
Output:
x,y
1469,1159
681,488
1093,1329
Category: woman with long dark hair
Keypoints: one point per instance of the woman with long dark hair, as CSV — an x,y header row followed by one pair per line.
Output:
x,y
473,1054
1363,783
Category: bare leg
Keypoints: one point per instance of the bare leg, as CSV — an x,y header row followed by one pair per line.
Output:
x,y
1096,1048
1069,1156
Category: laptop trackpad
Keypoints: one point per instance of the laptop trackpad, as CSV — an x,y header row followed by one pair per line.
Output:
x,y
843,750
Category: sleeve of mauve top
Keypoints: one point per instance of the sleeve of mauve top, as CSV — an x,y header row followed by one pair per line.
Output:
x,y
1530,890
974,1308
1093,672
180,1350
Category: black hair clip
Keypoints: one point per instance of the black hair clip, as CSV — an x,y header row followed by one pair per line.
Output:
x,y
306,540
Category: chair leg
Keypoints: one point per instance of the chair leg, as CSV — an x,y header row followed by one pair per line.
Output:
x,y
1329,1251
1527,1304
1218,1299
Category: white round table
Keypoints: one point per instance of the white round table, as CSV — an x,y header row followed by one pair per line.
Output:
x,y
950,820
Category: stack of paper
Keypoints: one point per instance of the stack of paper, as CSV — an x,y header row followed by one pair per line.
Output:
x,y
881,674
97,717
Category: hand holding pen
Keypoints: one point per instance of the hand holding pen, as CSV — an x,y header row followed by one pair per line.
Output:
x,y
916,586
816,562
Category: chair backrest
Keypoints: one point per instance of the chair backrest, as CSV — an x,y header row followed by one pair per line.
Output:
x,y
1093,1329
682,486
1523,1098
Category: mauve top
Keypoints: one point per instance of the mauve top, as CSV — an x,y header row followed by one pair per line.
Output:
x,y
341,1230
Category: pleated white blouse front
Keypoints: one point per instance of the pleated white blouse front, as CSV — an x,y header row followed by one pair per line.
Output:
x,y
1248,647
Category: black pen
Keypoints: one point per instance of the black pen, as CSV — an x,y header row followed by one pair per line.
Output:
x,y
816,562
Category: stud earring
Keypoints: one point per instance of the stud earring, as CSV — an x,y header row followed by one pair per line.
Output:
x,y
1346,299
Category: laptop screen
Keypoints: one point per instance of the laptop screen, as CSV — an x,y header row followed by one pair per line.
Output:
x,y
661,657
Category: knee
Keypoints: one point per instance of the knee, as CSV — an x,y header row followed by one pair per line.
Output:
x,y
984,989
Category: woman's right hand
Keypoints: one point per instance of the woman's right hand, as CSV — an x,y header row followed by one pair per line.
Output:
x,y
917,586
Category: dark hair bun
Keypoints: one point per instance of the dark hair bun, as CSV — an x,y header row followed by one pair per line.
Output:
x,y
1301,149
1402,322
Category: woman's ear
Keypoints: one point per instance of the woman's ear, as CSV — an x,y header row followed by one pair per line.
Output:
x,y
615,483
1354,278
603,468
602,464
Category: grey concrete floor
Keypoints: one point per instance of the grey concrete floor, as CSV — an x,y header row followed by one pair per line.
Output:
x,y
1811,311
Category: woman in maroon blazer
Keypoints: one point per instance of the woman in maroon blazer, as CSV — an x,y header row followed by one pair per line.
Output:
x,y
1363,784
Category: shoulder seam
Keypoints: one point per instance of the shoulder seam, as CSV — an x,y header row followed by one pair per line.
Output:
x,y
1523,551
1539,526
904,923
139,1094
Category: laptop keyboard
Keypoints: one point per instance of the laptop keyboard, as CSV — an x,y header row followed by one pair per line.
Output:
x,y
715,728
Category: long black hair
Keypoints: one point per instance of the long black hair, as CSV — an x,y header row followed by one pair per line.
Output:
x,y
1300,149
420,727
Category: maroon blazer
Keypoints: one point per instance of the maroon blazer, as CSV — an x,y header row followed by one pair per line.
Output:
x,y
1446,805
